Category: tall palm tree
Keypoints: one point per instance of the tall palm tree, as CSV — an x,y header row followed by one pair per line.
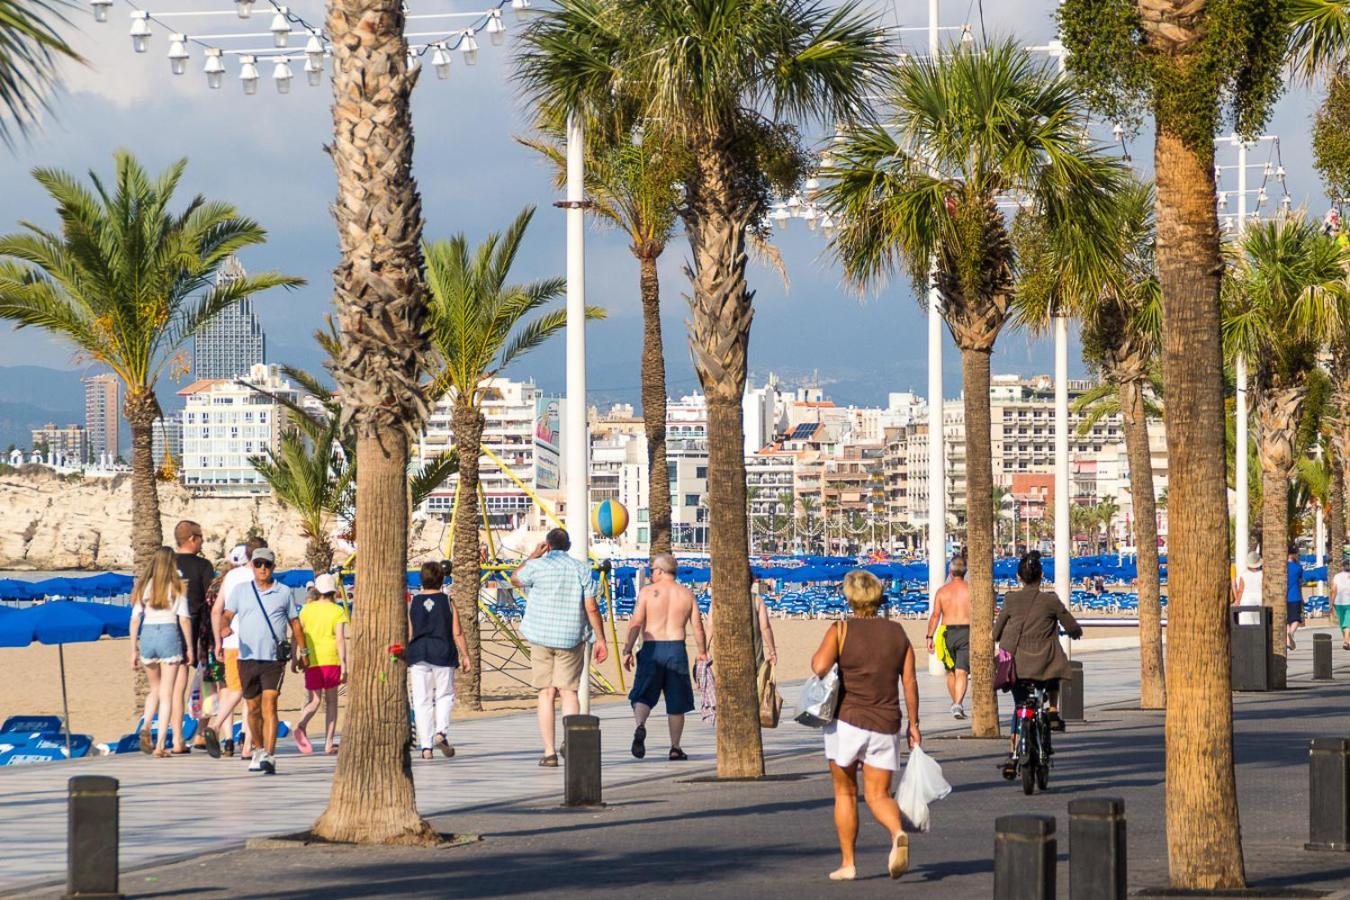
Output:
x,y
480,325
1285,298
312,477
807,507
1107,510
30,49
127,281
381,305
633,176
727,80
969,130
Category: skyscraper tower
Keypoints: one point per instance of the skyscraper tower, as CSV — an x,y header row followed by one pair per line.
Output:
x,y
102,414
234,341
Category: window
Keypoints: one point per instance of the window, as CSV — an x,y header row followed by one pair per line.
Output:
x,y
691,499
642,516
671,471
701,472
642,536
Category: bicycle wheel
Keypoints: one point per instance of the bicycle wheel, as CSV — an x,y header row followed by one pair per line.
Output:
x,y
1042,776
1029,779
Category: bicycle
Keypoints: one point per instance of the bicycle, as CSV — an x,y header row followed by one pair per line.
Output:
x,y
1032,756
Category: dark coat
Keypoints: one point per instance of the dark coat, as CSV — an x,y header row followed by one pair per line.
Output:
x,y
1028,628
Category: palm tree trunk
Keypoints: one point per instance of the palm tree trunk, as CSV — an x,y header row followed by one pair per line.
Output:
x,y
654,404
319,552
980,541
1277,409
142,408
719,336
1152,689
382,306
1336,512
465,563
1203,840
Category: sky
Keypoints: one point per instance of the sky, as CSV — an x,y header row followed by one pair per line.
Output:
x,y
265,155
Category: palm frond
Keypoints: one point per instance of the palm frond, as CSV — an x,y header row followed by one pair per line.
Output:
x,y
30,49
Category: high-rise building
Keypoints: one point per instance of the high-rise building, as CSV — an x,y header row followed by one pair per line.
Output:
x,y
69,442
102,416
166,438
225,423
234,342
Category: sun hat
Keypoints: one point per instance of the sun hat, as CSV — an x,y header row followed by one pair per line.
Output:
x,y
1254,560
325,584
239,555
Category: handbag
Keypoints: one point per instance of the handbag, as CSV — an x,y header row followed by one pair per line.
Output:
x,y
1005,671
283,647
820,695
770,701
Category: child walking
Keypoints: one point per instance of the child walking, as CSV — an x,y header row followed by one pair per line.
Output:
x,y
324,623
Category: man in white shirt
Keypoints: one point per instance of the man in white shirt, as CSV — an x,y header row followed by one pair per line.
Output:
x,y
227,651
1340,597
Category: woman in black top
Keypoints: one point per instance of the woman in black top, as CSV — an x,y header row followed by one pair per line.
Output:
x,y
436,648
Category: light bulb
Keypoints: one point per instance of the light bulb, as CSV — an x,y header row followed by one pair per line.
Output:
x,y
280,28
100,9
314,49
314,71
812,186
244,8
440,61
522,9
140,31
248,74
1117,132
214,68
781,215
496,29
469,47
966,37
178,55
281,74
1223,200
1280,173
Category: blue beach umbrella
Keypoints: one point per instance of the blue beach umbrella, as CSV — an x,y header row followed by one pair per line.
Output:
x,y
64,622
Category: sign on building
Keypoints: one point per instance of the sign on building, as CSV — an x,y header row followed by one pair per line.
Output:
x,y
547,449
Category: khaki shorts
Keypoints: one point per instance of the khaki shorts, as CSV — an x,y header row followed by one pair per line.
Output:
x,y
557,668
232,681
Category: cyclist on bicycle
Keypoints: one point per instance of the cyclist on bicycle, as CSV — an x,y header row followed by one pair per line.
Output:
x,y
1028,628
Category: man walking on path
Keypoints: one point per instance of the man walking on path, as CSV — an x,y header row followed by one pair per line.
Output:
x,y
260,612
951,607
227,651
663,612
197,574
560,599
1293,597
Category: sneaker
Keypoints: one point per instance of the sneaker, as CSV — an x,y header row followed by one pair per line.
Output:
x,y
255,762
958,711
268,764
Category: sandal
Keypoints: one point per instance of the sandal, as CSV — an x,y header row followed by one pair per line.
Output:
x,y
213,748
160,753
444,746
640,741
181,751
897,863
550,761
676,754
426,754
147,742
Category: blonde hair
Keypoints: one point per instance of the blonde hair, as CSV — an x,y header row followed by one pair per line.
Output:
x,y
863,591
161,582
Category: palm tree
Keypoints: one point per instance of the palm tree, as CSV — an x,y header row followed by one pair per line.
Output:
x,y
1107,510
1001,499
969,130
807,506
633,176
382,310
127,282
1285,299
480,325
29,51
313,479
725,80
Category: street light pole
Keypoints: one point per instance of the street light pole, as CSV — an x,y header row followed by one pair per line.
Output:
x,y
1242,537
937,475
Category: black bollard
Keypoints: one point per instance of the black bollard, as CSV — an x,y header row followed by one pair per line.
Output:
x,y
582,774
1071,694
1322,657
1024,858
1329,794
1097,849
91,838
1249,646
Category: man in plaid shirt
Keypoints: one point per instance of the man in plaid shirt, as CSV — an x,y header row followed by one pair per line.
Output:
x,y
559,599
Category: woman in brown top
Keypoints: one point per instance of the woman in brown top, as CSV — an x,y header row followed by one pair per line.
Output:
x,y
873,656
1028,628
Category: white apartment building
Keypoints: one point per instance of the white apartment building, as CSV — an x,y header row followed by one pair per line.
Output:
x,y
523,431
225,423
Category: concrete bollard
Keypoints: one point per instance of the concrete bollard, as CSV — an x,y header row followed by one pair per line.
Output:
x,y
1097,849
1329,794
1071,694
1024,858
582,763
91,838
1322,657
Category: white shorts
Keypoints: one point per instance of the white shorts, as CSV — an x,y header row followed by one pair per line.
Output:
x,y
846,744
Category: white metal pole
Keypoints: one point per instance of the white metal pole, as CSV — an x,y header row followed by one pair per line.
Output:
x,y
1062,536
937,476
1242,535
574,429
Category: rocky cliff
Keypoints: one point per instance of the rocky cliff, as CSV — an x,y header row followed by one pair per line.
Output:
x,y
52,522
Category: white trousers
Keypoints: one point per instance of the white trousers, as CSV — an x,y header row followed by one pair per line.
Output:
x,y
433,690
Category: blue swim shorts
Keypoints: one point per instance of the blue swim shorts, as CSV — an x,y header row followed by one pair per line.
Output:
x,y
663,668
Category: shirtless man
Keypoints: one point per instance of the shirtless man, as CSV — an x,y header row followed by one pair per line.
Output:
x,y
664,609
951,607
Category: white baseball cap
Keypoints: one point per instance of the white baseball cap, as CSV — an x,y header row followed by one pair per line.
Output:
x,y
325,584
239,555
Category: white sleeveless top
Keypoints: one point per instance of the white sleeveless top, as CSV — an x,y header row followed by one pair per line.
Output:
x,y
1251,596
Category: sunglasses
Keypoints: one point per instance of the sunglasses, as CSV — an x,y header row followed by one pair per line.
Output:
x,y
262,564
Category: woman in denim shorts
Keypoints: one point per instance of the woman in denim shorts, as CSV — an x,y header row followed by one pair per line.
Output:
x,y
161,640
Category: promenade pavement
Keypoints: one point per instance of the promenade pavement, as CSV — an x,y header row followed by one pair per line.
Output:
x,y
184,808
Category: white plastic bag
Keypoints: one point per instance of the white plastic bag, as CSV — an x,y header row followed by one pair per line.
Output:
x,y
820,696
921,784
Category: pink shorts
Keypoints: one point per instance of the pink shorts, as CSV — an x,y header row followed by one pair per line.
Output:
x,y
318,678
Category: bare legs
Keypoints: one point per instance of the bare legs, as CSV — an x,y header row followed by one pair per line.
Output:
x,y
570,707
957,681
177,688
229,699
262,718
163,679
152,674
330,719
675,723
877,794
